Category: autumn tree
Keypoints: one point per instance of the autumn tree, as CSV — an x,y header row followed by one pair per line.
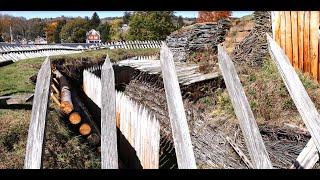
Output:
x,y
74,31
150,25
56,34
50,29
104,30
94,21
115,30
212,16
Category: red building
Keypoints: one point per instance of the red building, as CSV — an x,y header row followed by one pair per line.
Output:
x,y
93,36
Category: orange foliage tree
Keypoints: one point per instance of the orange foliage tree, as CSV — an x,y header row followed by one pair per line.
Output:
x,y
212,16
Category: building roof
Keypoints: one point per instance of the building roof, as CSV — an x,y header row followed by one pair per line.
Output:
x,y
93,32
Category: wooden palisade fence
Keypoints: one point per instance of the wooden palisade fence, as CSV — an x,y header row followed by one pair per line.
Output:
x,y
297,34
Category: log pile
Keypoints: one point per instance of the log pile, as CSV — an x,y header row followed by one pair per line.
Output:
x,y
197,37
253,49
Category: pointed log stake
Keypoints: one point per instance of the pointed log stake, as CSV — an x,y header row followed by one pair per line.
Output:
x,y
109,151
178,121
38,118
253,139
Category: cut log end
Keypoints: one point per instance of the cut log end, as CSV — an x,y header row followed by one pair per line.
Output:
x,y
118,119
75,118
85,129
66,107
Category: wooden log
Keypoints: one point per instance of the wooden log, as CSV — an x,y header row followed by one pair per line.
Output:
x,y
109,152
34,147
314,42
283,30
298,93
53,97
288,36
75,118
295,48
65,90
258,153
300,38
306,44
55,89
178,121
85,129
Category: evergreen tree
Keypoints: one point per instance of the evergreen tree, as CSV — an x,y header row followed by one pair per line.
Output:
x,y
94,21
104,30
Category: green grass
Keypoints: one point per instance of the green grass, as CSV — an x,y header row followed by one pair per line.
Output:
x,y
14,78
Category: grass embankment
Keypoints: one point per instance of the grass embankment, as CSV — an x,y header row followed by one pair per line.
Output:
x,y
63,148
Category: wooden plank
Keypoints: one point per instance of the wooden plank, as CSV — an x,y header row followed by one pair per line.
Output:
x,y
40,105
314,42
179,125
294,35
276,26
109,151
306,44
258,153
300,37
288,36
306,108
307,158
282,30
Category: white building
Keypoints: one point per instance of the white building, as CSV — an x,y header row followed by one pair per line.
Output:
x,y
93,36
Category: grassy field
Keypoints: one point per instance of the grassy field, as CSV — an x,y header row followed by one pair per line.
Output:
x,y
63,148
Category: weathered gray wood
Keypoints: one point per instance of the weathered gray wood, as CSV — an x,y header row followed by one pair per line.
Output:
x,y
308,156
180,129
257,150
298,93
109,151
38,118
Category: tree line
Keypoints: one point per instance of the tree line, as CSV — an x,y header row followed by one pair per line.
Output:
x,y
142,25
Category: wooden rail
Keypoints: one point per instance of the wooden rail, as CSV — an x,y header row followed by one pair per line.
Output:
x,y
254,142
109,151
179,125
306,108
38,118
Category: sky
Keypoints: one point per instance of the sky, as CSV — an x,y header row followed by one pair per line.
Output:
x,y
102,14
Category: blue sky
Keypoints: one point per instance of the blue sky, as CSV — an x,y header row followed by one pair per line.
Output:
x,y
102,14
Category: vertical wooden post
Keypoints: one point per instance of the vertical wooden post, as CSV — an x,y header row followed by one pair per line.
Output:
x,y
109,151
254,142
178,120
288,36
300,38
314,42
298,93
306,45
295,49
40,105
276,23
283,30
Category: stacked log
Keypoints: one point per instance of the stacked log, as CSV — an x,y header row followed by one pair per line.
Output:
x,y
254,48
197,37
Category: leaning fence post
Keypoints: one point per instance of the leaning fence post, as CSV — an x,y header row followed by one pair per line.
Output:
x,y
40,105
254,142
179,125
109,152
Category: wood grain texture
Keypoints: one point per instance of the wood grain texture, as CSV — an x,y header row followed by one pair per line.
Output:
x,y
283,30
40,105
306,43
257,150
314,42
294,32
300,38
306,108
276,25
179,125
288,49
109,151
308,156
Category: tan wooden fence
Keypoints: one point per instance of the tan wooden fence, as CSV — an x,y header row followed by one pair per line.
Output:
x,y
297,33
